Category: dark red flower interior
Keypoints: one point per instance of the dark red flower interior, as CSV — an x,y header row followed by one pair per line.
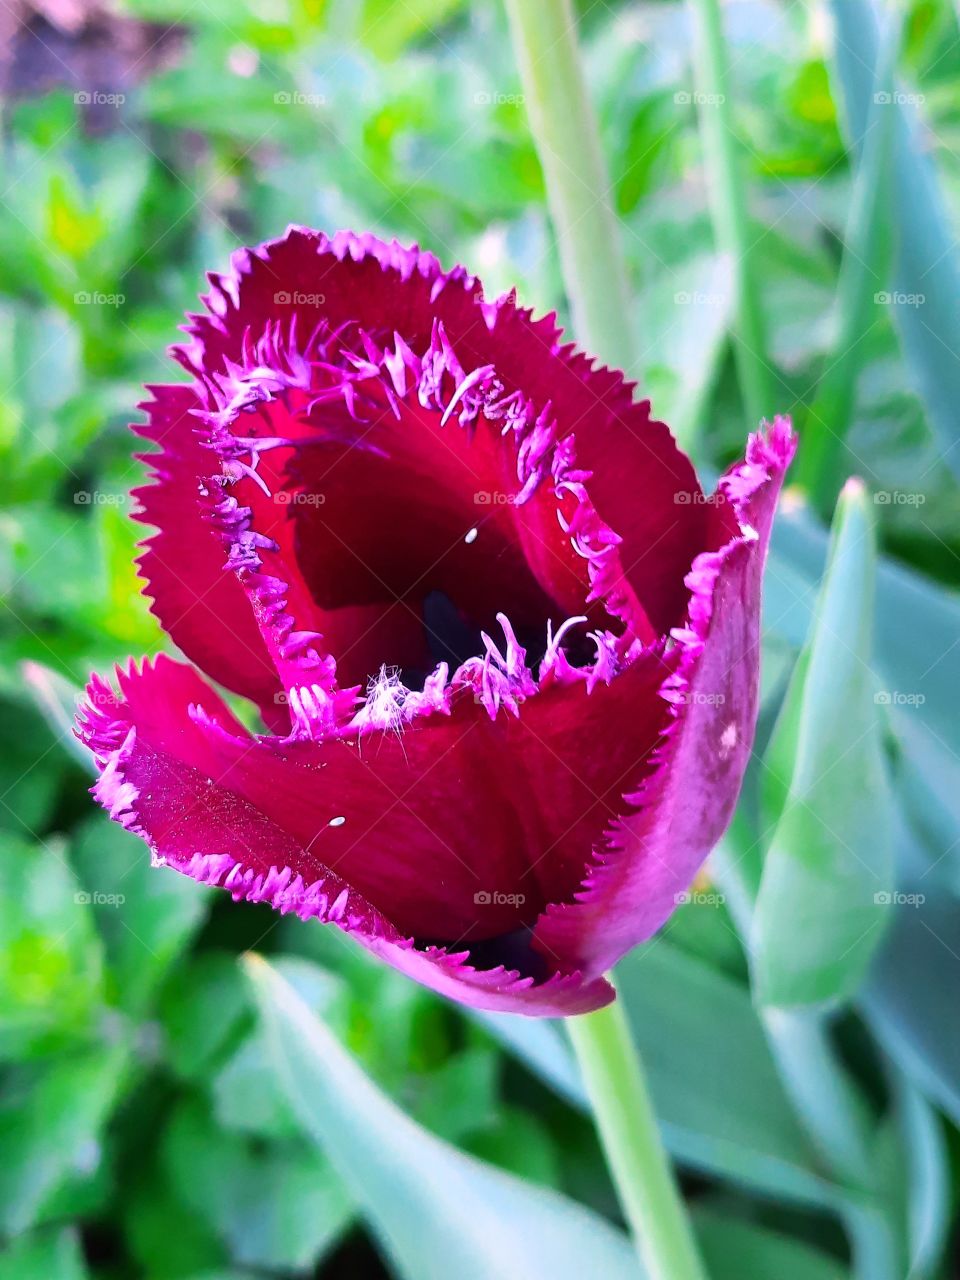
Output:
x,y
415,522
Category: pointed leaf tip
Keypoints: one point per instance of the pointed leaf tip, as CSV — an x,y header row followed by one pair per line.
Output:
x,y
854,489
436,1211
825,894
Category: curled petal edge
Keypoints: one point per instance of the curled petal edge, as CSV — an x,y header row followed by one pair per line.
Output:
x,y
112,738
674,818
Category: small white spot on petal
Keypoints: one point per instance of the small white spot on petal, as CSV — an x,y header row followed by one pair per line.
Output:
x,y
471,536
336,822
728,739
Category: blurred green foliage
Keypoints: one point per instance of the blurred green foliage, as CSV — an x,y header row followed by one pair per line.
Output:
x,y
143,1128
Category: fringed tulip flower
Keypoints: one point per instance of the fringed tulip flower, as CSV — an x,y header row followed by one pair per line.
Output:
x,y
505,648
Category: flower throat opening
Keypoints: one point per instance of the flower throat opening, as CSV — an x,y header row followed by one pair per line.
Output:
x,y
389,512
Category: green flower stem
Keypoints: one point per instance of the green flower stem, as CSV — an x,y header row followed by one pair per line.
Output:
x,y
728,203
565,132
578,189
625,1119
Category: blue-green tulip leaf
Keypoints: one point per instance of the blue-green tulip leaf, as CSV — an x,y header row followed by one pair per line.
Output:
x,y
826,889
734,1122
437,1212
911,997
926,277
734,1249
53,1255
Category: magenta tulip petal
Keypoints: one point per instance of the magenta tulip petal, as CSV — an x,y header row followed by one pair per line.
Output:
x,y
159,743
505,648
396,816
203,609
685,804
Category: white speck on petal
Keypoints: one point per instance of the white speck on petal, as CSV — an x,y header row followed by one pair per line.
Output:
x,y
728,739
336,822
471,536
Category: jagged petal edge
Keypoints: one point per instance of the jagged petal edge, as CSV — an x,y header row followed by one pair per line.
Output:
x,y
612,387
317,705
609,385
252,675
767,457
328,900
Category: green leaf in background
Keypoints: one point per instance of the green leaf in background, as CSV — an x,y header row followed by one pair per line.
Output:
x,y
148,1207
826,891
247,1096
682,357
911,997
57,700
735,1121
145,916
204,1009
735,1250
460,1096
863,274
436,1211
32,766
50,1129
276,1205
927,269
780,756
387,27
51,961
226,1275
915,632
541,1044
731,1117
54,1255
520,1143
123,609
734,236
704,928
924,1177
